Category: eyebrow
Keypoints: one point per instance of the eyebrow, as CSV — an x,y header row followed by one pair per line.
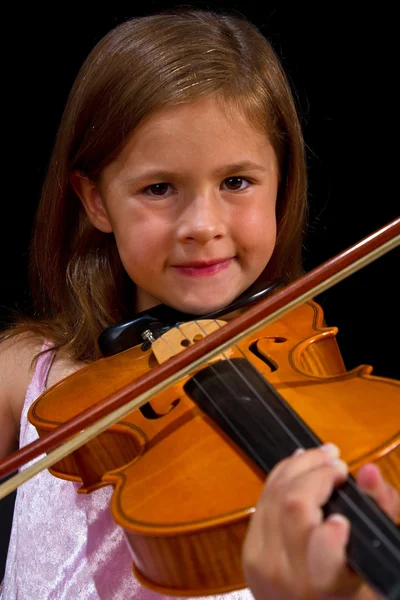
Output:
x,y
241,166
221,171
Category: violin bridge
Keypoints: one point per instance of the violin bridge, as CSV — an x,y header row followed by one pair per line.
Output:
x,y
175,340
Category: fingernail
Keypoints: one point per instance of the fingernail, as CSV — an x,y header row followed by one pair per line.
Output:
x,y
332,450
339,464
337,518
298,451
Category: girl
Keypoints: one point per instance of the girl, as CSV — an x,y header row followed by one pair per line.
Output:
x,y
178,177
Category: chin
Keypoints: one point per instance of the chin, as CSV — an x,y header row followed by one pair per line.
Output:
x,y
198,308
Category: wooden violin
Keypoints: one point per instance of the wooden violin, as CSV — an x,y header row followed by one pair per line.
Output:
x,y
188,467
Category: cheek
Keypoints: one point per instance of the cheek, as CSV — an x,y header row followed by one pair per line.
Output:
x,y
258,233
141,244
257,223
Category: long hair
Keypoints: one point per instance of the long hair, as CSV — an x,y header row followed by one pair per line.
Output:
x,y
144,65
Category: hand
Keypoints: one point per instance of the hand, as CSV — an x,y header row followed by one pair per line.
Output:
x,y
290,551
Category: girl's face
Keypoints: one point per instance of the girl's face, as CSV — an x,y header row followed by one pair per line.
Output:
x,y
191,202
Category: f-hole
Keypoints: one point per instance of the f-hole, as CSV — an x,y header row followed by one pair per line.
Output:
x,y
149,413
265,359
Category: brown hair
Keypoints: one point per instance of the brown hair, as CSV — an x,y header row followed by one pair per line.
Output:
x,y
79,286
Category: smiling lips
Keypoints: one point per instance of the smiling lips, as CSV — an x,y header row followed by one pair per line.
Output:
x,y
204,268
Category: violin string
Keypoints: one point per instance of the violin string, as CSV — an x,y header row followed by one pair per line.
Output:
x,y
198,323
217,407
249,412
278,420
232,391
247,430
345,497
203,330
259,398
231,424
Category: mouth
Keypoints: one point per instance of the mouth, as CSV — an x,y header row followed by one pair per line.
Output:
x,y
204,268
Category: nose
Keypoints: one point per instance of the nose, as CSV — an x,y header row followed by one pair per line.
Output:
x,y
202,220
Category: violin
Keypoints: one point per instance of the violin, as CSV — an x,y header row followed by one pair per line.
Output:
x,y
188,465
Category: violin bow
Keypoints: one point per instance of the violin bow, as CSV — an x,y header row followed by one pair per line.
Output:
x,y
102,415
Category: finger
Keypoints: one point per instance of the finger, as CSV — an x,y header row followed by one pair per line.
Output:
x,y
263,557
371,481
301,508
327,566
264,523
276,486
300,462
254,541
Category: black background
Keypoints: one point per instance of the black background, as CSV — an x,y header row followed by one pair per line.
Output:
x,y
342,65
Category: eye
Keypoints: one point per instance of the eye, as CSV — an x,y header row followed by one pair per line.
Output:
x,y
235,184
158,190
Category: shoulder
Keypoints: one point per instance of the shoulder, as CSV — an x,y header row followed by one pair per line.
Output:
x,y
17,365
16,368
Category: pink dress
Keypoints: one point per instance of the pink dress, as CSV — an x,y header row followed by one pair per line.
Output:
x,y
84,556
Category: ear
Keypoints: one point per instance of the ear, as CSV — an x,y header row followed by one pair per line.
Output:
x,y
92,202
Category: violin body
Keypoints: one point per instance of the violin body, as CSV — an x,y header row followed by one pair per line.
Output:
x,y
183,491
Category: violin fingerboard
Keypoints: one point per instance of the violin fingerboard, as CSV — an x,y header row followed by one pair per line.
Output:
x,y
258,419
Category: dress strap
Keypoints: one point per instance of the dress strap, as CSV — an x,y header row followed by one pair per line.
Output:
x,y
36,387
